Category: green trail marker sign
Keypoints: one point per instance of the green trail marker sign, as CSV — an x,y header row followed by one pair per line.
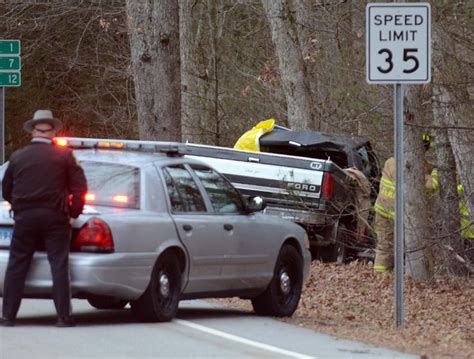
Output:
x,y
10,79
10,63
10,47
10,76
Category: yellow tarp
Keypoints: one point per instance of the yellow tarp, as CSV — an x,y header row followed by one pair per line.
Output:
x,y
249,141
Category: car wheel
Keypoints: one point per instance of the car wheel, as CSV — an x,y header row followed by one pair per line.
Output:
x,y
107,303
159,303
282,295
336,252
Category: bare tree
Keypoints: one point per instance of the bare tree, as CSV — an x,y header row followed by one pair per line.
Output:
x,y
419,257
453,65
291,64
154,38
449,243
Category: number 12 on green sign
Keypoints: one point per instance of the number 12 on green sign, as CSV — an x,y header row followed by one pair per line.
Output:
x,y
10,79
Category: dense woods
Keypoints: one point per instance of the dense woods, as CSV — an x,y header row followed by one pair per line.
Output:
x,y
207,70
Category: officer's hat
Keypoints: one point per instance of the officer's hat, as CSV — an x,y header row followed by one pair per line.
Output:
x,y
42,116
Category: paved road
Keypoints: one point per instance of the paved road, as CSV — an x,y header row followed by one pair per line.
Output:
x,y
201,330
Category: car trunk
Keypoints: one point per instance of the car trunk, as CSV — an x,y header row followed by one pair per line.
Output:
x,y
7,222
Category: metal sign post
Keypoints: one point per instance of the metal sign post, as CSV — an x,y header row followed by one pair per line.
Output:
x,y
398,51
10,76
399,235
2,124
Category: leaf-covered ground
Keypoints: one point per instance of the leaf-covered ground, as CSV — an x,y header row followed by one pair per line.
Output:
x,y
350,301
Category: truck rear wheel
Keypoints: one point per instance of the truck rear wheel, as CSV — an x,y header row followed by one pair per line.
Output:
x,y
282,295
336,252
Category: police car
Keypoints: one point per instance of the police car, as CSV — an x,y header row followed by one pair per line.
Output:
x,y
159,227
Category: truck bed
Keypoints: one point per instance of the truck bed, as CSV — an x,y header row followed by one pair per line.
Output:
x,y
290,185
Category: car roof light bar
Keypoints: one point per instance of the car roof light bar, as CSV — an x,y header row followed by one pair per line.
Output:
x,y
169,148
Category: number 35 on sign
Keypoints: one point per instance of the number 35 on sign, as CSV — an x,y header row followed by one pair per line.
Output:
x,y
398,43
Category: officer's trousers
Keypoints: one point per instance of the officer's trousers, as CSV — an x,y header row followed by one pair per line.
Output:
x,y
32,227
384,251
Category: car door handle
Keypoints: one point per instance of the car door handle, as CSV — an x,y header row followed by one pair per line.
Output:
x,y
228,227
187,227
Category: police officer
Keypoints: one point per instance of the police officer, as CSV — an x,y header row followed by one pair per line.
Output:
x,y
46,188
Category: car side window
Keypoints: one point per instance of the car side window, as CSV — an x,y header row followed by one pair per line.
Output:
x,y
224,197
182,190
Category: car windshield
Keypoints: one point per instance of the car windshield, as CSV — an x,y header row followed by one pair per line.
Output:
x,y
111,184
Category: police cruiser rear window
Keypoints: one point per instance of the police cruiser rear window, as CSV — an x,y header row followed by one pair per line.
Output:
x,y
111,184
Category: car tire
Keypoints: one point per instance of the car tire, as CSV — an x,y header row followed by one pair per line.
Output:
x,y
107,303
336,252
282,295
159,303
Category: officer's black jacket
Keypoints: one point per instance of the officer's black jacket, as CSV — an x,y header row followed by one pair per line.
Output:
x,y
43,175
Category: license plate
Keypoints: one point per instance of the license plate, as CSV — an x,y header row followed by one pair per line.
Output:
x,y
5,236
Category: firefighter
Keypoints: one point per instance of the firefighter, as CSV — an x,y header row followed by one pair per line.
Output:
x,y
467,227
46,188
384,211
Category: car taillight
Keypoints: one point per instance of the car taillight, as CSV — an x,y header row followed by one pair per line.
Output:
x,y
94,236
327,186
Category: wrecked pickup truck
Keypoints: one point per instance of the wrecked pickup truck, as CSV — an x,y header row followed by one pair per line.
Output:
x,y
303,177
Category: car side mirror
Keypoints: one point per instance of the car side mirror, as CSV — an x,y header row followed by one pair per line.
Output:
x,y
255,204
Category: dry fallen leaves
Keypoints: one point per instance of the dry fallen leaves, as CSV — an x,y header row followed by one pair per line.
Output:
x,y
340,298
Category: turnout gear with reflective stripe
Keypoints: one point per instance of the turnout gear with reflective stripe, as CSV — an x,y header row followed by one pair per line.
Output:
x,y
384,253
385,214
467,227
384,203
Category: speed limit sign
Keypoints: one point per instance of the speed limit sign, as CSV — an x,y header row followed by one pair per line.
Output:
x,y
398,43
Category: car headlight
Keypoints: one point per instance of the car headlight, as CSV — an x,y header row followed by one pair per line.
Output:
x,y
306,240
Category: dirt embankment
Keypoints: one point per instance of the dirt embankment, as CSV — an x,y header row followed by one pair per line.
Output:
x,y
350,301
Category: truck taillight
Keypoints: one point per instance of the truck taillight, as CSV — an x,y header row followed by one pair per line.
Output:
x,y
327,186
94,236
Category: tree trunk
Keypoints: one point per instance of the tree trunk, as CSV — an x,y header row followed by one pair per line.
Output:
x,y
461,137
419,257
291,64
454,144
455,106
450,242
305,24
154,38
188,130
215,32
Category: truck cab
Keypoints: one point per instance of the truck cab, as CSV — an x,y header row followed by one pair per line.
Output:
x,y
344,150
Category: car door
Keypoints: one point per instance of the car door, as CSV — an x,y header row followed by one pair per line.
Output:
x,y
246,237
199,230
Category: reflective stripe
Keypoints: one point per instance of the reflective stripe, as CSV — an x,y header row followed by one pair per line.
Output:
x,y
380,269
383,211
467,227
384,203
387,188
434,179
387,183
387,192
